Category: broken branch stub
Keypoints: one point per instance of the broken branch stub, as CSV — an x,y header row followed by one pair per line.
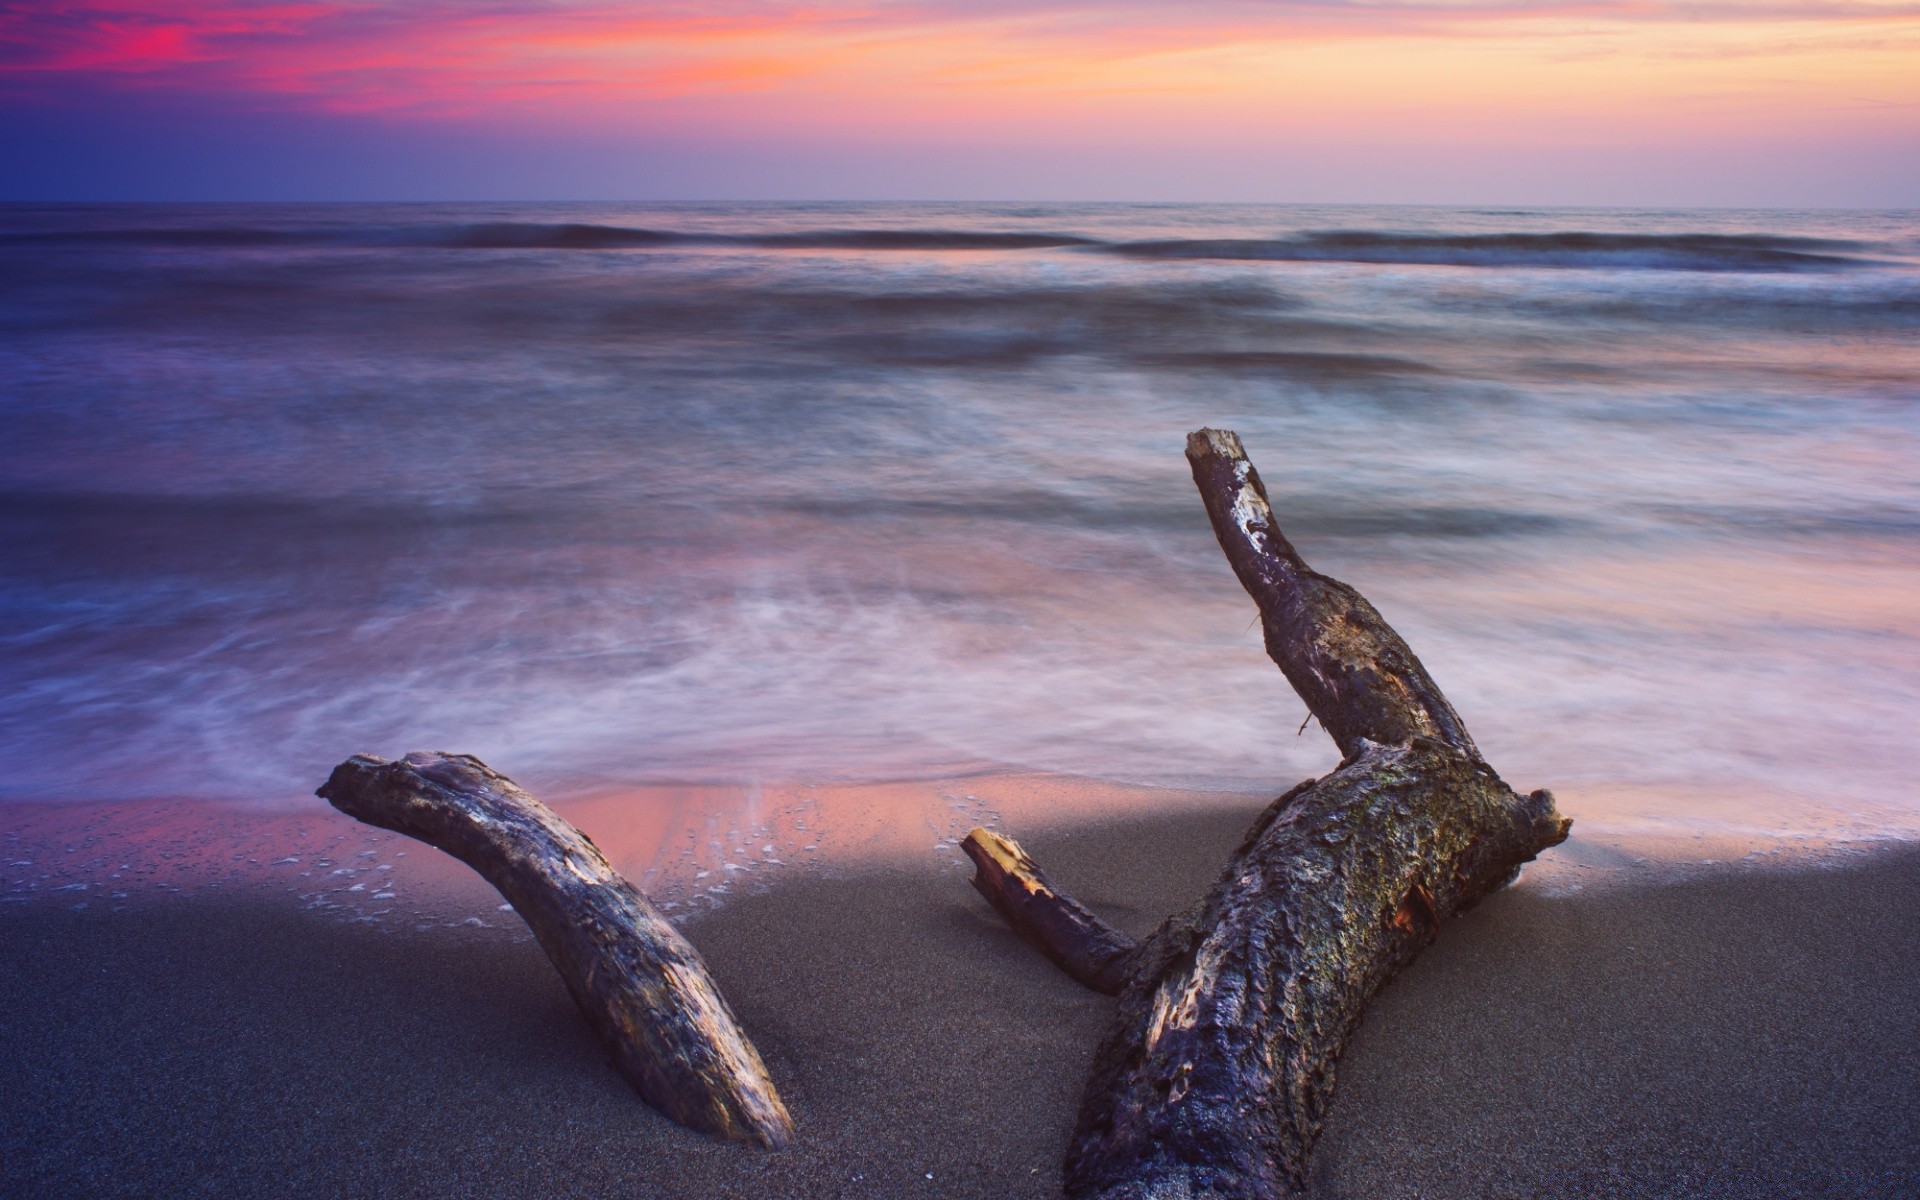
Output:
x,y
1073,939
1219,1065
641,985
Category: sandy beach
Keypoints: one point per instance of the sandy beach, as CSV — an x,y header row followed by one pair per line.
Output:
x,y
1746,1033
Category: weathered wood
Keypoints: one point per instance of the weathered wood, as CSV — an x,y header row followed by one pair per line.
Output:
x,y
1073,939
642,986
1355,673
1219,1065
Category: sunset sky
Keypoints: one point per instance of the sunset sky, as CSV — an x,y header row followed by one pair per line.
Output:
x,y
1728,102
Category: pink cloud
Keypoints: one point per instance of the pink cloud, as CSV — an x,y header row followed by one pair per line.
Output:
x,y
933,60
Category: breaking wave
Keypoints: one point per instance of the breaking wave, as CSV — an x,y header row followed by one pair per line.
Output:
x,y
520,235
1645,251
1566,250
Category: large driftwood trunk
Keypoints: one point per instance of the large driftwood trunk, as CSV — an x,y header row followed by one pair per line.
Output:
x,y
642,986
1220,1062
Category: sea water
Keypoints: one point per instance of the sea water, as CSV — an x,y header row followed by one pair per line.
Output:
x,y
619,495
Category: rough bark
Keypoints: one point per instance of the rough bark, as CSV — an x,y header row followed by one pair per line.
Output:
x,y
642,986
1355,673
1073,939
1219,1065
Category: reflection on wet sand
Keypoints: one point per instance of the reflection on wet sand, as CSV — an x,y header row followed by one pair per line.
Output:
x,y
692,847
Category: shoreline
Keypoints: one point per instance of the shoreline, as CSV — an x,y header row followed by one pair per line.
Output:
x,y
694,848
1736,1033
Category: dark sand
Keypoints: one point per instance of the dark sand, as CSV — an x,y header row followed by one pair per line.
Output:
x,y
1752,1034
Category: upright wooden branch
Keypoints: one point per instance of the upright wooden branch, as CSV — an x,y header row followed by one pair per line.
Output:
x,y
1355,673
642,986
1220,1063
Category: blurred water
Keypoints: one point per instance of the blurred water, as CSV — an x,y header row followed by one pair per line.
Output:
x,y
622,494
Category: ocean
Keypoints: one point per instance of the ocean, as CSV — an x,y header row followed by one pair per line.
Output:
x,y
619,496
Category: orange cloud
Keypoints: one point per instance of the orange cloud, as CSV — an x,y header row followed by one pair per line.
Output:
x,y
1032,68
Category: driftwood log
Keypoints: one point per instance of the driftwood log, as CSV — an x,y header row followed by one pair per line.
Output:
x,y
1073,939
642,986
1219,1065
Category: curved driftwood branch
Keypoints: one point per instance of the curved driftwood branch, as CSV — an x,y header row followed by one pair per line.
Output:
x,y
642,986
1220,1063
1073,939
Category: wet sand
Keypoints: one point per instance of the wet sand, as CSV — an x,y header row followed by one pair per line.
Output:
x,y
1750,1033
